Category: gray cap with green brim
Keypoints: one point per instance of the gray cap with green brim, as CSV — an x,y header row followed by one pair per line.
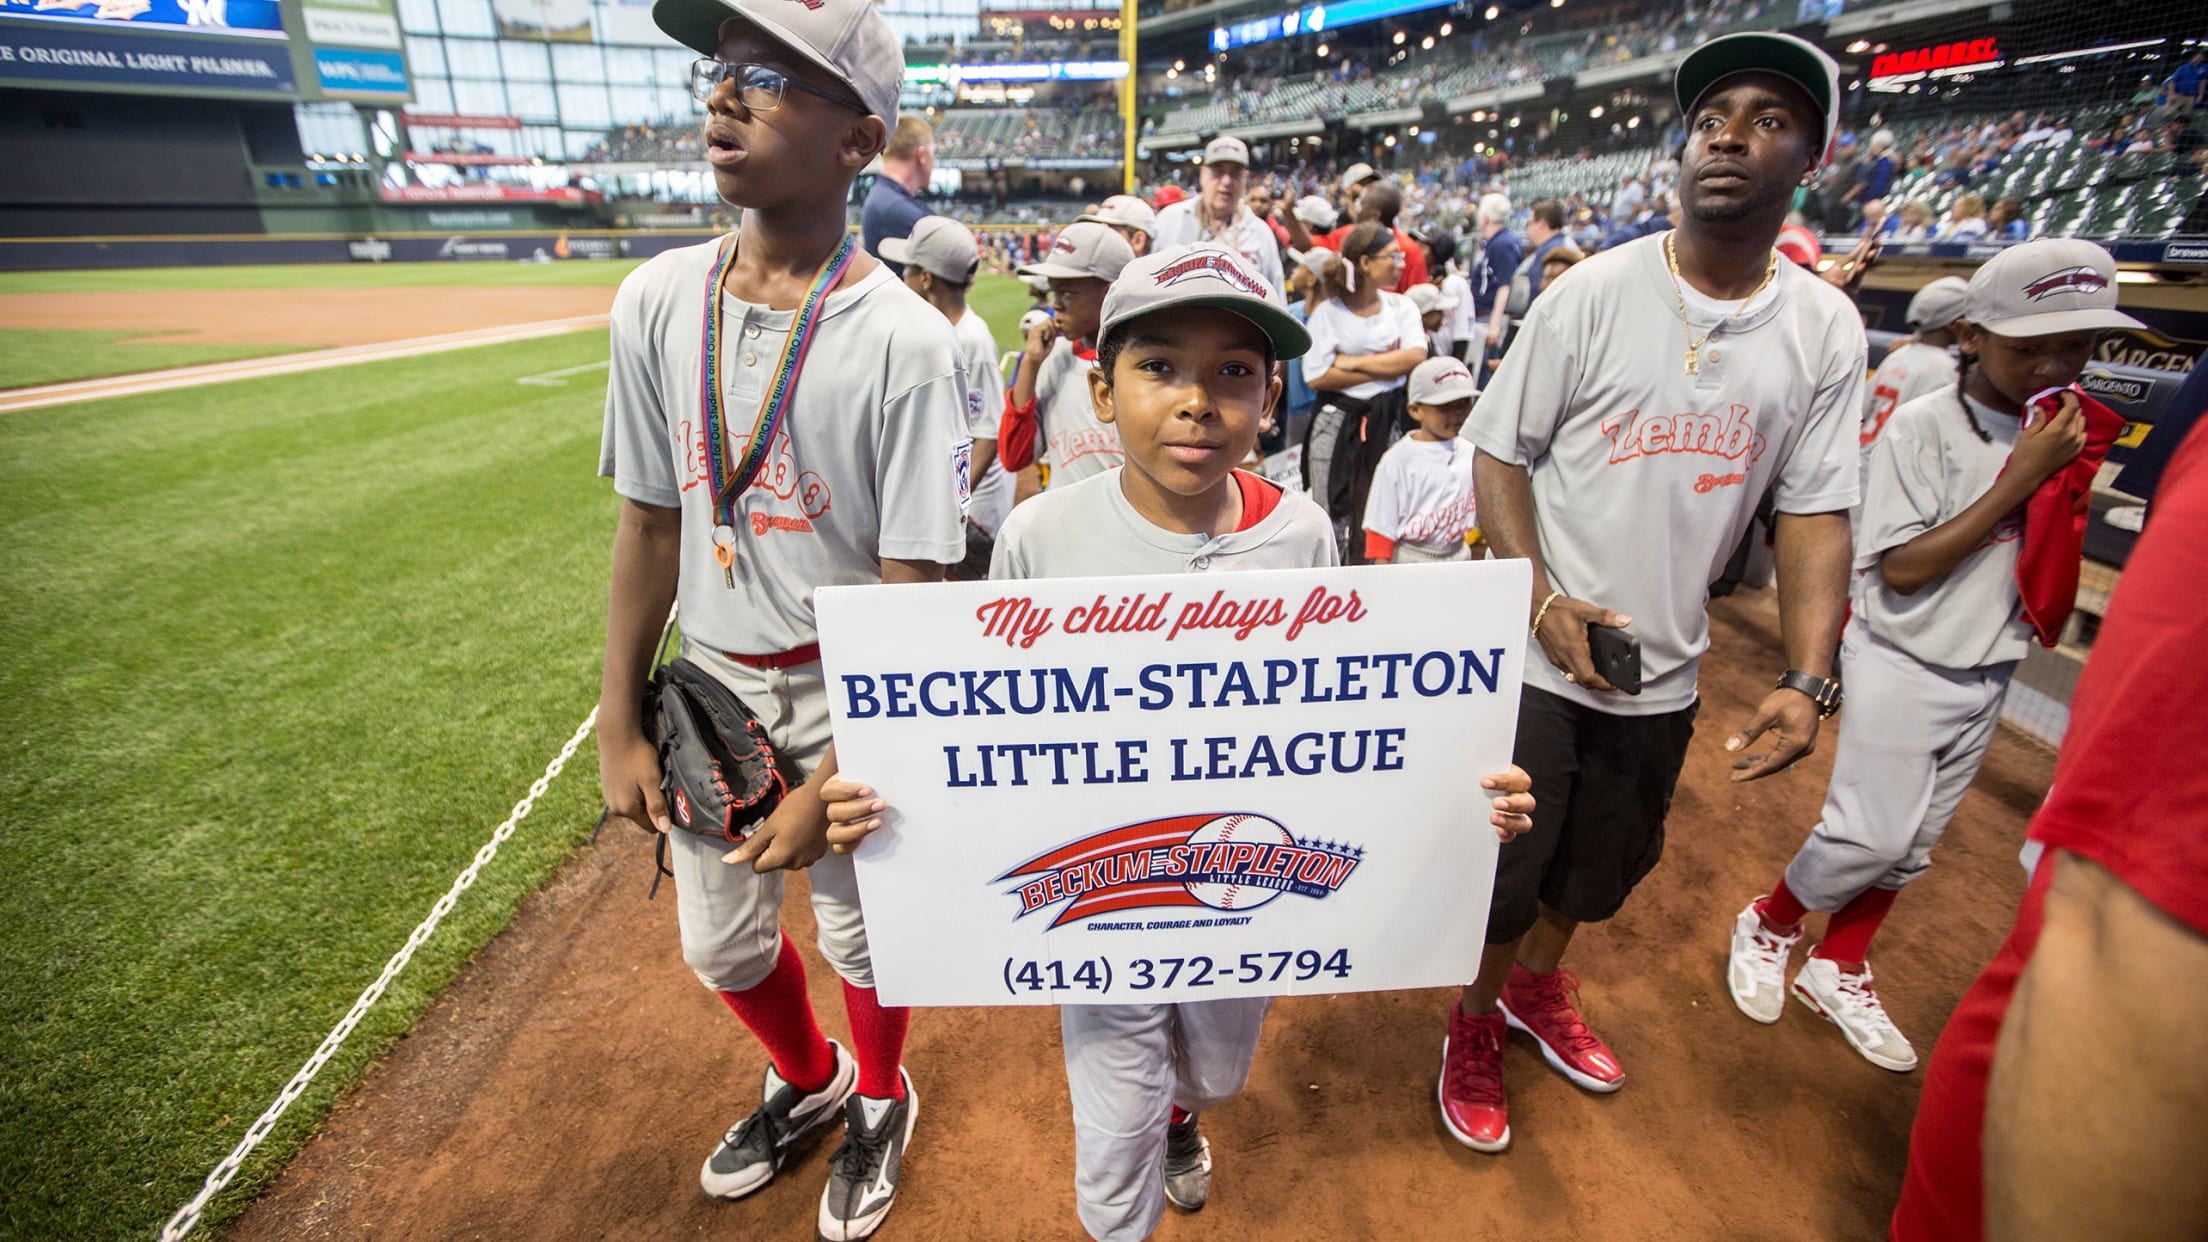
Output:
x,y
1797,60
1203,275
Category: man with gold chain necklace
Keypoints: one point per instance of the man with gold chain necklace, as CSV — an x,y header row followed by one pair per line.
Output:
x,y
1647,404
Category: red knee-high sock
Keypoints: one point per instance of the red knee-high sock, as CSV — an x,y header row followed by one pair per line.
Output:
x,y
1848,936
1179,1115
781,1015
1782,911
878,1041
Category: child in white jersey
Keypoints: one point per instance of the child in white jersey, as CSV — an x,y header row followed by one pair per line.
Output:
x,y
1185,372
1940,619
1047,416
1421,503
1921,363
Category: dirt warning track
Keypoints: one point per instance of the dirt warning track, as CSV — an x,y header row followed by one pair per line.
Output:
x,y
573,1080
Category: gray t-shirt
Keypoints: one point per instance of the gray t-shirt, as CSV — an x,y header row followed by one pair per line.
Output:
x,y
1927,468
1906,374
1089,530
977,352
1071,439
867,464
1644,476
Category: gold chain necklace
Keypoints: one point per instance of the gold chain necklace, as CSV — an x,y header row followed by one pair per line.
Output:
x,y
1693,363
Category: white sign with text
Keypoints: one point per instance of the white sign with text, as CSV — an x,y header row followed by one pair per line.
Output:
x,y
1186,787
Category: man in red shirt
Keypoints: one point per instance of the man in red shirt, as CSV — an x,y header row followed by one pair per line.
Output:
x,y
2065,1097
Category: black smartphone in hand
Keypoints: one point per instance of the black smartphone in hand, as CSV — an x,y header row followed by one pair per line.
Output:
x,y
1617,656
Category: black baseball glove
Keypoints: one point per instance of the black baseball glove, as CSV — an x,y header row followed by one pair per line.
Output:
x,y
717,767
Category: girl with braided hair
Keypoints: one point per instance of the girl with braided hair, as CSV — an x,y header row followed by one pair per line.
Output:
x,y
1940,621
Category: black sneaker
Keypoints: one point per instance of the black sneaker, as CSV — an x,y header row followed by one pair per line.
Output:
x,y
752,1153
862,1175
1187,1165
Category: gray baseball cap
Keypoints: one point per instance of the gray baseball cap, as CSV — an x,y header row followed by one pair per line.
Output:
x,y
1439,381
1356,175
1126,211
939,246
1227,149
1316,212
1427,297
1796,60
1203,275
1087,249
848,38
2040,288
1939,303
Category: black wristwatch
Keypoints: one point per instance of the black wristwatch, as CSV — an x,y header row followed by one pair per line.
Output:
x,y
1824,691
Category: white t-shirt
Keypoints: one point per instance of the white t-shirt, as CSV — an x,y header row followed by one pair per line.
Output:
x,y
1644,476
1253,239
977,351
1070,439
1927,469
1458,320
869,462
1422,495
1090,530
1912,370
1336,330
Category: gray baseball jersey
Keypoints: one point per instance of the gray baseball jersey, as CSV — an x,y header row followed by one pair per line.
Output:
x,y
868,463
1337,330
1089,530
1253,239
1645,476
1927,468
1422,498
1126,1065
977,351
1906,374
1071,439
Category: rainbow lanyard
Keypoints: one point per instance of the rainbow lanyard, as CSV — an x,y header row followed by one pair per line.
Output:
x,y
730,482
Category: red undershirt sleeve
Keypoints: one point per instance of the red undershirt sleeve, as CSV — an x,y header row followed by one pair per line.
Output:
x,y
1378,547
1016,435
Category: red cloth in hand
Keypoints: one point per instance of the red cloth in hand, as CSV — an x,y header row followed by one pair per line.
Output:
x,y
2054,527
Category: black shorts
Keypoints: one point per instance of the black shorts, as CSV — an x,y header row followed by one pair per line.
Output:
x,y
1602,787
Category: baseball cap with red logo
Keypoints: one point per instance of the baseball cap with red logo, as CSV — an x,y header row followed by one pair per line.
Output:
x,y
2044,287
1203,275
1168,195
1088,250
848,38
1439,381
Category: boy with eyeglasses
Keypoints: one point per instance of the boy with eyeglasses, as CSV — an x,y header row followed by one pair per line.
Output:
x,y
749,478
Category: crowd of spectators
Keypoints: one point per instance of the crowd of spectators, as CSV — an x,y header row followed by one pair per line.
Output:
x,y
977,133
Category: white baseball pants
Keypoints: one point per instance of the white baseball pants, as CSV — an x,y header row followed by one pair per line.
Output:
x,y
1910,745
731,916
1127,1067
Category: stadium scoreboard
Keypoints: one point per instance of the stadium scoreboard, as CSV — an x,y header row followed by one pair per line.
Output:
x,y
212,49
1313,19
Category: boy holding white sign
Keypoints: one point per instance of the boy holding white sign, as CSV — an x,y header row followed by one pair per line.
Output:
x,y
1185,372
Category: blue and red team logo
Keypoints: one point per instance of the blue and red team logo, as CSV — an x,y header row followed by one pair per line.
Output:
x,y
1232,861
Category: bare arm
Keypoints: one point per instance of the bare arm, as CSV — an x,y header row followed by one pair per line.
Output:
x,y
646,559
985,454
2042,449
1813,602
2096,1112
1503,496
1394,364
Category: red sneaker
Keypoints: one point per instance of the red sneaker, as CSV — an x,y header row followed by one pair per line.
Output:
x,y
1471,1087
1545,1007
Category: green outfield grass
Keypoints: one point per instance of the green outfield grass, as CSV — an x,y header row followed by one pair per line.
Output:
x,y
1000,300
321,276
279,655
31,356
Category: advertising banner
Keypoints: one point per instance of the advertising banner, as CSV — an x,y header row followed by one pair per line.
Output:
x,y
258,19
128,60
558,21
351,27
1158,789
368,75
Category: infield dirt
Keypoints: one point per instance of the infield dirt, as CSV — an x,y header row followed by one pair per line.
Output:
x,y
302,317
574,1079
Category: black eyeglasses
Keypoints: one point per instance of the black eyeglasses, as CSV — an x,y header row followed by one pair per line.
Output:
x,y
759,87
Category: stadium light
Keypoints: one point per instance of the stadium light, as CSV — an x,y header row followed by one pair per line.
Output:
x,y
1180,64
1170,74
1391,140
1859,46
1633,123
1560,117
1595,113
1414,131
1399,38
1479,115
1445,29
1493,12
1322,51
1426,44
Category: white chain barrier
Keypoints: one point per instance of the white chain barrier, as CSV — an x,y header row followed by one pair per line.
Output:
x,y
188,1216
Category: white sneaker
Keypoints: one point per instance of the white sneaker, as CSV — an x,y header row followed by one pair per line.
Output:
x,y
1757,971
1847,1000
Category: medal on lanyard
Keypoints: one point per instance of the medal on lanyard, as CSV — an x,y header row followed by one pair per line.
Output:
x,y
730,479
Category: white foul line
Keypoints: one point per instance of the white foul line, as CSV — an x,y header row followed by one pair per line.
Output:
x,y
285,364
557,379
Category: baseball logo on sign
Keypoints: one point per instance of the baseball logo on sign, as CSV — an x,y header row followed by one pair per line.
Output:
x,y
1236,861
